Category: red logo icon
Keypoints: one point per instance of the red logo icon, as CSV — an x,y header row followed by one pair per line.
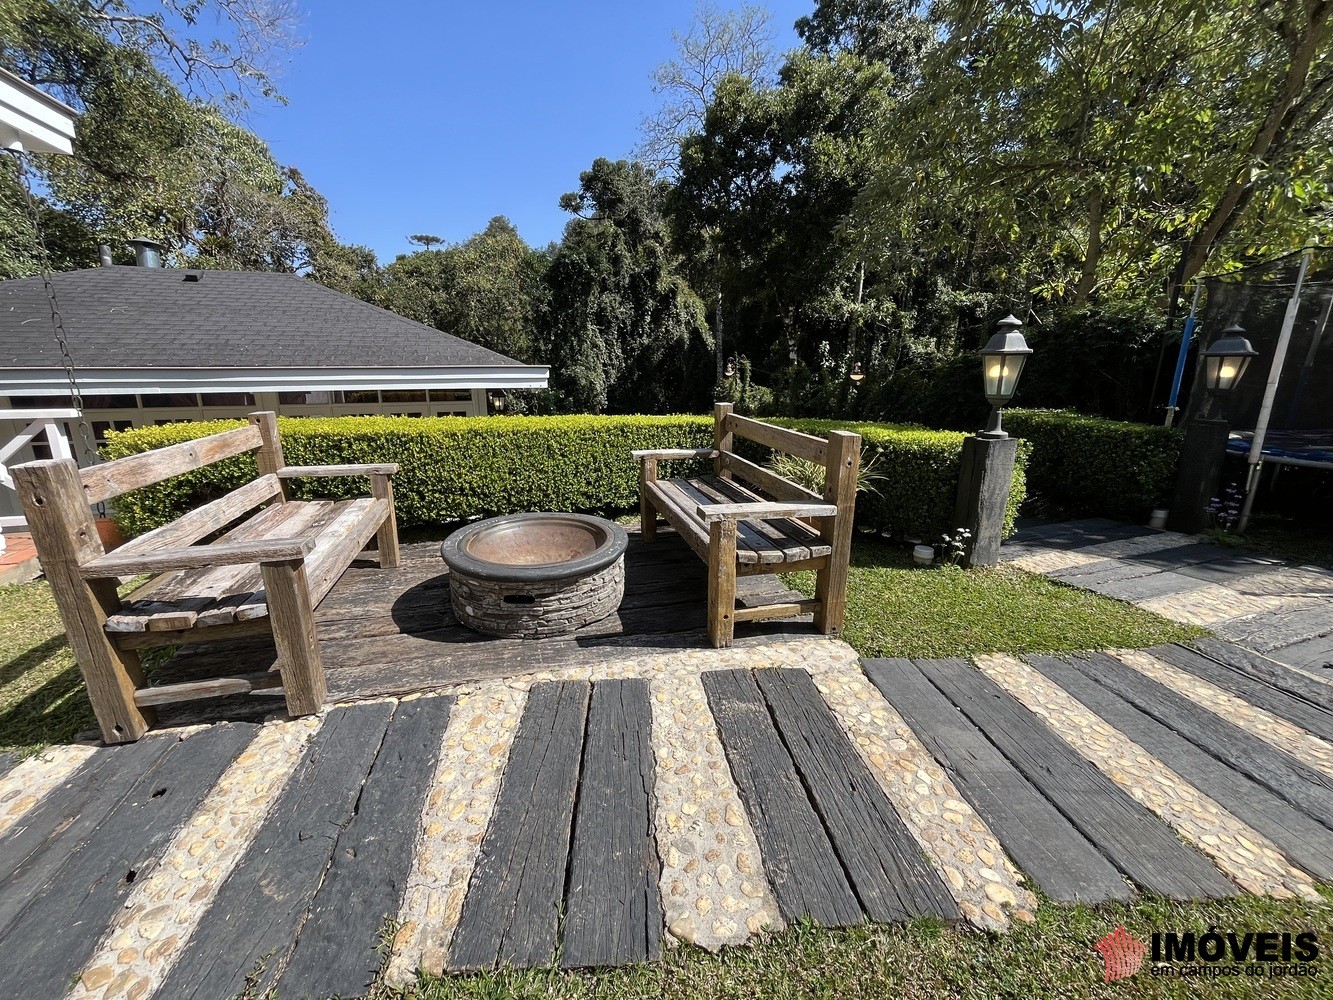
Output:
x,y
1123,954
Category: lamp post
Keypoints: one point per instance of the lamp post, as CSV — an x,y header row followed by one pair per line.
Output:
x,y
987,471
1002,361
857,375
1204,450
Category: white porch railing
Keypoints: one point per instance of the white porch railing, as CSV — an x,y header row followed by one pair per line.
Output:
x,y
39,423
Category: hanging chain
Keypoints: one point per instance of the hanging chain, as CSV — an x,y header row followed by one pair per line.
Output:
x,y
57,321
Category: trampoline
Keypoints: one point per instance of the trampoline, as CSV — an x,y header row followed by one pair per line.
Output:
x,y
1283,407
1311,449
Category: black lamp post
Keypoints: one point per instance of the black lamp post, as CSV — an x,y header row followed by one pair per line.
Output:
x,y
987,468
1002,361
857,375
1204,449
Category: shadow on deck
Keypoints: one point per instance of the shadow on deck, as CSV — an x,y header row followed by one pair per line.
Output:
x,y
392,632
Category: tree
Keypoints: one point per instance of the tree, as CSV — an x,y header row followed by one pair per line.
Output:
x,y
65,45
426,240
149,161
761,198
718,43
1093,148
627,334
896,33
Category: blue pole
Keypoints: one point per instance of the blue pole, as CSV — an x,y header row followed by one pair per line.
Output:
x,y
1186,336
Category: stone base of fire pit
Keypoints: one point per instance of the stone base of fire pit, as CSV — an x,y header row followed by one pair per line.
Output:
x,y
533,575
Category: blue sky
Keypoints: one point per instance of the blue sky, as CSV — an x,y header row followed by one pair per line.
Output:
x,y
433,117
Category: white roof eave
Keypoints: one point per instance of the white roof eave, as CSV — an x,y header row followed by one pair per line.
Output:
x,y
33,121
114,381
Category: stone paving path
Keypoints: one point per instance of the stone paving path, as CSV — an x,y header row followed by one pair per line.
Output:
x,y
1281,610
707,879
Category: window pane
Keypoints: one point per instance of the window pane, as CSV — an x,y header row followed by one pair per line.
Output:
x,y
110,402
39,402
362,396
451,395
228,399
306,398
405,396
171,399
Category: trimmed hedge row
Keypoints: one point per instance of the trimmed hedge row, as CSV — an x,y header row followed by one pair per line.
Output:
x,y
462,467
921,469
1084,466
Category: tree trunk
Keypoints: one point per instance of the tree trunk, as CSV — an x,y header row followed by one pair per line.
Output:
x,y
1087,281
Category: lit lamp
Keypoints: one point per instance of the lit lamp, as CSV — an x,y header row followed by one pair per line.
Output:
x,y
857,374
1002,361
1226,360
730,370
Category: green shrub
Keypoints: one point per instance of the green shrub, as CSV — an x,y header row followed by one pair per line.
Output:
x,y
460,467
452,467
916,497
1084,466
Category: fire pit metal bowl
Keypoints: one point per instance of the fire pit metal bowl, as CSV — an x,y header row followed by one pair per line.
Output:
x,y
533,575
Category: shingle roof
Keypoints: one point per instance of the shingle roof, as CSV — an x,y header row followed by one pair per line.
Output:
x,y
141,317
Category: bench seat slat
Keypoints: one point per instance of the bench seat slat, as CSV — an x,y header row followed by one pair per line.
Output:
x,y
201,598
767,541
796,538
160,604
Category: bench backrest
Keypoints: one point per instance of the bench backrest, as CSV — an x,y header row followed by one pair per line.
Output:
x,y
110,479
839,454
57,494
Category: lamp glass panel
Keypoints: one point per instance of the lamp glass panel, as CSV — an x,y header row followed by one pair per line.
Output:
x,y
1000,374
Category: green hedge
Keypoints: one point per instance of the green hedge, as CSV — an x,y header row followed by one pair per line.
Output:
x,y
916,499
460,467
1084,466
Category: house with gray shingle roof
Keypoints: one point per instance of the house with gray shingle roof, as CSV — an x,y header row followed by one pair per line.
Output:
x,y
155,345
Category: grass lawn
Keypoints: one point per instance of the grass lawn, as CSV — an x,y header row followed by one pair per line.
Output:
x,y
42,700
1304,543
1053,957
894,609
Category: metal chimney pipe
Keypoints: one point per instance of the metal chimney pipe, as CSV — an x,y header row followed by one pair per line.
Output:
x,y
104,255
147,253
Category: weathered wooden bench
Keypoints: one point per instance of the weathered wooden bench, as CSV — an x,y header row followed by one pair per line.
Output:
x,y
739,532
264,575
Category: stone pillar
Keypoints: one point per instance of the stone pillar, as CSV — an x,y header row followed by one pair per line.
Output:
x,y
1200,474
984,483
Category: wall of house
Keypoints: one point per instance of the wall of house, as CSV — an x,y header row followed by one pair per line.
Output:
x,y
120,412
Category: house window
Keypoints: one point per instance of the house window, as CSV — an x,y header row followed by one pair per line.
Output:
x,y
170,400
228,399
451,395
357,396
405,396
305,398
121,402
100,428
38,402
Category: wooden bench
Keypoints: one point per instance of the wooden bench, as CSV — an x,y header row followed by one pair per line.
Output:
x,y
263,576
770,526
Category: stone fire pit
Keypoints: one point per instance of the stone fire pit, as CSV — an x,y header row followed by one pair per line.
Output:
x,y
533,575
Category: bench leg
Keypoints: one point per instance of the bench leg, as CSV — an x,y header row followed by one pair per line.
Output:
x,y
293,619
386,538
647,514
721,583
63,530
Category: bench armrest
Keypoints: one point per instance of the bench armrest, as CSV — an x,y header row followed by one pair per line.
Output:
x,y
664,453
332,471
747,511
198,557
